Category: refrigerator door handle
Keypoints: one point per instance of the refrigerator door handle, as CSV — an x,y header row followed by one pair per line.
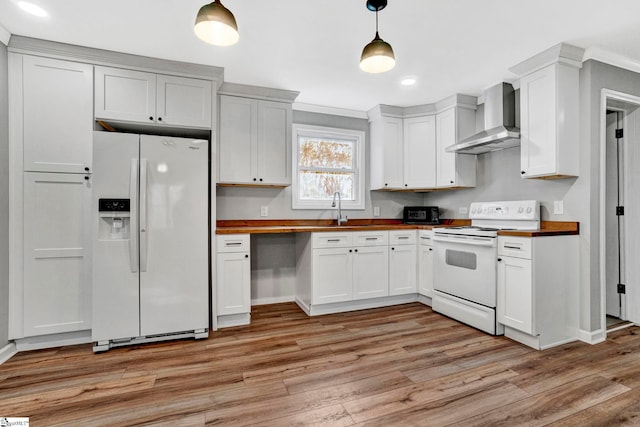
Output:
x,y
143,215
133,227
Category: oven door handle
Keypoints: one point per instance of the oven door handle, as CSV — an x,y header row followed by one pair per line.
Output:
x,y
465,241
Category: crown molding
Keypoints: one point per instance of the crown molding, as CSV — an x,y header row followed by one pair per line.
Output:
x,y
333,111
612,58
561,53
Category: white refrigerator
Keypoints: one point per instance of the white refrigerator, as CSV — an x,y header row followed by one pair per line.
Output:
x,y
150,273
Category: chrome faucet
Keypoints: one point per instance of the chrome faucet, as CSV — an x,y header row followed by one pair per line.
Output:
x,y
333,205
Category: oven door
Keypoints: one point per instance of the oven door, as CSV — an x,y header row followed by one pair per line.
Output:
x,y
465,267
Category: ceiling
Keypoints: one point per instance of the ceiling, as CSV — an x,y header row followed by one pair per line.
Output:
x,y
450,46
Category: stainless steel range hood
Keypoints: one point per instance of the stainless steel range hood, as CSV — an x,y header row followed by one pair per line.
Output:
x,y
499,123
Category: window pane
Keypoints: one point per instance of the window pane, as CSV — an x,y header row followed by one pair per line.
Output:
x,y
325,153
322,185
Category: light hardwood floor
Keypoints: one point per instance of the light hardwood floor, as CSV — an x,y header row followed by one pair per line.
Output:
x,y
403,365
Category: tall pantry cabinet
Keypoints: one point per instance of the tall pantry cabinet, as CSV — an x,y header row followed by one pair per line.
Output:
x,y
51,119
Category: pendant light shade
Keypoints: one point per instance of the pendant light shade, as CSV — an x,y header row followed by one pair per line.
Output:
x,y
377,56
215,24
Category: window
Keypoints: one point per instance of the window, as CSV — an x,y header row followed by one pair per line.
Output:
x,y
327,160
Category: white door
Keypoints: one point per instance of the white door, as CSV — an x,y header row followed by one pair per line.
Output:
x,y
125,95
233,283
57,115
402,269
332,275
183,101
515,294
238,139
115,285
420,152
370,272
57,289
173,234
274,143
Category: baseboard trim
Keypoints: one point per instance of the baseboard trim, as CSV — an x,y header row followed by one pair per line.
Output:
x,y
55,340
593,337
7,352
273,300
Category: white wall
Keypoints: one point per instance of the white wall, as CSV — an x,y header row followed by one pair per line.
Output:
x,y
4,198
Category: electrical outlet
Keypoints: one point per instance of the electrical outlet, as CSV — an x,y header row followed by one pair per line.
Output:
x,y
264,210
376,211
558,207
463,210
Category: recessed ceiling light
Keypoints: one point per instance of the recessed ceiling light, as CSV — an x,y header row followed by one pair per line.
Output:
x,y
408,81
32,9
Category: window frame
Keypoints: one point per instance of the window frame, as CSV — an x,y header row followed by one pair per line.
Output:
x,y
358,137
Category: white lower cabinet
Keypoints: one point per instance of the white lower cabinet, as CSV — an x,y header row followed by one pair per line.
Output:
x,y
370,272
538,296
233,279
57,238
425,263
332,275
402,262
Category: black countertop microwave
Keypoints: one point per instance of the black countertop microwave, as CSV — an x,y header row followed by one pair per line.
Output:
x,y
425,215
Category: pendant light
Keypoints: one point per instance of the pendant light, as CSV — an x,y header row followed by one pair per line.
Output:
x,y
215,24
377,56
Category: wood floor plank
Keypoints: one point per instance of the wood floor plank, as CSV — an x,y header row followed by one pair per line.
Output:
x,y
418,394
388,366
550,406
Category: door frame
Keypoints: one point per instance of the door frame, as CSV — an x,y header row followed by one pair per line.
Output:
x,y
608,95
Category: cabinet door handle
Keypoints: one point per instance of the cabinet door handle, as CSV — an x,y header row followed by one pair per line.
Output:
x,y
451,182
430,249
159,119
355,250
86,177
333,240
350,251
371,238
499,259
518,248
232,243
522,172
260,179
150,117
254,179
86,169
403,237
393,249
246,256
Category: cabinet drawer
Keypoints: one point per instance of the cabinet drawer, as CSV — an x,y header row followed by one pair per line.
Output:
x,y
402,237
519,247
424,237
332,240
233,243
370,238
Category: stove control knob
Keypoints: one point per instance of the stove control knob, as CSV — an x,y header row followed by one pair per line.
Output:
x,y
520,209
529,209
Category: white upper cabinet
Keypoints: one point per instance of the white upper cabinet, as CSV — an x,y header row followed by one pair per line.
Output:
x,y
452,125
135,96
254,142
549,119
419,152
402,149
51,110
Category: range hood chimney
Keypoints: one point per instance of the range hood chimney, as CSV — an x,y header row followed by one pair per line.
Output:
x,y
500,129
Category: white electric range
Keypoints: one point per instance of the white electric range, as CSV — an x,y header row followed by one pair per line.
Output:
x,y
465,261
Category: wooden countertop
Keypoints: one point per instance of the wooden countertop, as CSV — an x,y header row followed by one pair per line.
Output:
x,y
275,226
